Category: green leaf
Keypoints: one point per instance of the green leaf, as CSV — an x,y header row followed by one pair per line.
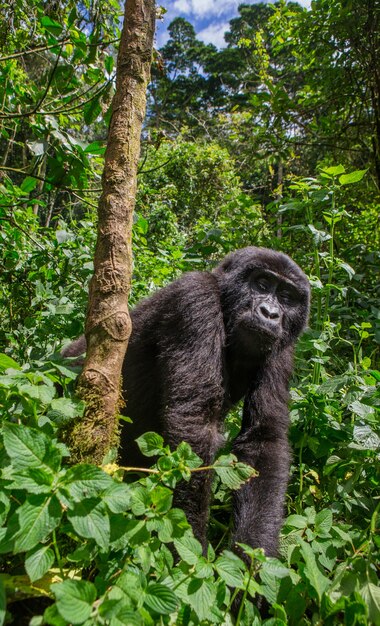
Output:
x,y
317,580
28,184
96,147
4,507
108,64
33,480
6,362
84,481
231,472
38,517
323,523
363,410
160,599
90,520
126,617
91,110
150,444
353,177
52,617
202,596
335,170
371,595
74,599
27,447
51,26
188,548
296,521
231,569
117,497
38,562
63,410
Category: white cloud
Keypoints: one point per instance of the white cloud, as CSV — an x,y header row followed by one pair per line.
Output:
x,y
206,8
183,6
214,33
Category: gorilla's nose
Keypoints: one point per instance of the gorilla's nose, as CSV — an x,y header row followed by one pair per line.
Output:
x,y
269,311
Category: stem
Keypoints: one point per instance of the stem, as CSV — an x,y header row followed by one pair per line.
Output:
x,y
317,269
301,466
57,554
245,593
331,260
140,469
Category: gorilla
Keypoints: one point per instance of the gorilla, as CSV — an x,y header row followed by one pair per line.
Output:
x,y
197,347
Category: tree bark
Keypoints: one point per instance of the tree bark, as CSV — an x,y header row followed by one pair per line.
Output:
x,y
108,324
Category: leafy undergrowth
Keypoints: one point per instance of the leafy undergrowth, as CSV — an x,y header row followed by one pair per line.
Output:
x,y
81,546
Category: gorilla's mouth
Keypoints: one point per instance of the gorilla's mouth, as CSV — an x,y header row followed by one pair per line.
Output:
x,y
258,332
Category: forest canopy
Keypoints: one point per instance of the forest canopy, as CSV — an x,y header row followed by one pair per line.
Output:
x,y
272,140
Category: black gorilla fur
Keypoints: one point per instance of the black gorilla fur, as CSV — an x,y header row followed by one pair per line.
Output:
x,y
197,347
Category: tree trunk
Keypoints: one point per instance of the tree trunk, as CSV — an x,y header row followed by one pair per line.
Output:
x,y
108,324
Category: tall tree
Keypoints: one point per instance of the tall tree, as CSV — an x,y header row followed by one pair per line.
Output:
x,y
108,323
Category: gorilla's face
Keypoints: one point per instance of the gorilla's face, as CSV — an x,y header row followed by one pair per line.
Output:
x,y
265,300
273,303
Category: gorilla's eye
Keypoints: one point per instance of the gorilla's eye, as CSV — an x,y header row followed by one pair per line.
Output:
x,y
263,284
286,295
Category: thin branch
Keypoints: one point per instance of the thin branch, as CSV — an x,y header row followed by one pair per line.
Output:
x,y
15,55
154,169
56,111
53,183
61,42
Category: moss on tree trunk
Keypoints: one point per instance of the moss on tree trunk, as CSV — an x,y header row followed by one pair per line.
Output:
x,y
108,324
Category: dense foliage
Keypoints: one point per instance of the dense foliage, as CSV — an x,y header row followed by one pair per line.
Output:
x,y
273,140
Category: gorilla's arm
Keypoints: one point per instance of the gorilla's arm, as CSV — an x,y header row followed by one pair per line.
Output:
x,y
191,362
263,443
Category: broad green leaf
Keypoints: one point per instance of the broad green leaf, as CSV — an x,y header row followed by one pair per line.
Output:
x,y
4,507
84,481
323,523
38,517
51,26
6,362
126,617
202,596
52,617
316,578
360,409
371,595
62,410
108,63
96,147
92,110
38,562
117,497
296,521
28,447
90,520
188,548
353,177
231,472
28,184
33,480
335,170
160,599
150,444
231,569
74,599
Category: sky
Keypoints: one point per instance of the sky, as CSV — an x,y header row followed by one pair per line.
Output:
x,y
210,18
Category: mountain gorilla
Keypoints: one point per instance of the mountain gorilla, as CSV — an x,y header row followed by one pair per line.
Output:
x,y
197,347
